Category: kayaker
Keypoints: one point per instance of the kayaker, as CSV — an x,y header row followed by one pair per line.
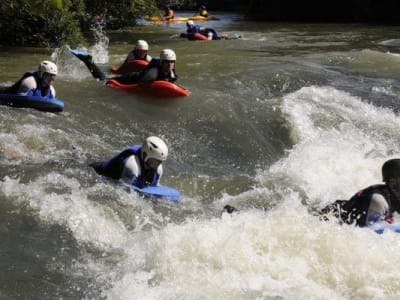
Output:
x,y
36,83
168,13
203,11
139,165
372,204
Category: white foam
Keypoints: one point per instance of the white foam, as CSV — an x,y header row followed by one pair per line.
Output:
x,y
340,142
87,222
281,253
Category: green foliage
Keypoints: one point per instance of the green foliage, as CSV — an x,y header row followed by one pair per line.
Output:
x,y
184,4
118,14
40,22
53,23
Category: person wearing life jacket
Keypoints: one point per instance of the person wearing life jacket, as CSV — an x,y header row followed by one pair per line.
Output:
x,y
209,33
373,204
191,28
162,68
139,165
169,14
140,52
203,11
36,83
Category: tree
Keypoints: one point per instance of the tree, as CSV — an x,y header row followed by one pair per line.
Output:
x,y
53,23
41,22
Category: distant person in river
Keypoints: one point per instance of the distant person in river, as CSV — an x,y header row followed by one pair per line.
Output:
x,y
373,204
36,83
139,52
139,165
162,68
203,11
192,28
168,14
209,33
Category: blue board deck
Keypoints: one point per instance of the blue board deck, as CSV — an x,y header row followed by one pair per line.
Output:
x,y
159,192
39,103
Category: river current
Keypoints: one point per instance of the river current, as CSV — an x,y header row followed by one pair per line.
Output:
x,y
280,122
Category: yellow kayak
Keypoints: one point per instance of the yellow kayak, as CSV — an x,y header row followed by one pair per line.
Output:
x,y
161,19
201,18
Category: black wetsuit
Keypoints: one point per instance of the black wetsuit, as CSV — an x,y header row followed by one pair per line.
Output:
x,y
355,210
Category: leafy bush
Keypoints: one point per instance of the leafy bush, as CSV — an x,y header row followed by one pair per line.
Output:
x,y
41,22
52,23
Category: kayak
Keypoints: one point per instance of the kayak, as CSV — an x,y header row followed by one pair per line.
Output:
x,y
201,18
161,19
36,102
134,65
157,88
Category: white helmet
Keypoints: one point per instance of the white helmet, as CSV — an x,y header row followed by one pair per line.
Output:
x,y
190,23
47,66
154,147
142,45
167,54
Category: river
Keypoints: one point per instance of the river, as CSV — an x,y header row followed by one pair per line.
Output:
x,y
279,122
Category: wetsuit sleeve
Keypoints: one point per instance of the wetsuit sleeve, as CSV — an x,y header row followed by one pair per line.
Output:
x,y
53,91
131,170
114,167
174,77
149,74
159,175
27,85
378,209
96,72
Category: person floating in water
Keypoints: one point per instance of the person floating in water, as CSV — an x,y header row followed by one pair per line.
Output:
x,y
139,165
373,204
36,83
136,60
162,68
209,33
140,52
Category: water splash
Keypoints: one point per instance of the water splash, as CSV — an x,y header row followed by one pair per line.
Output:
x,y
99,50
71,67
